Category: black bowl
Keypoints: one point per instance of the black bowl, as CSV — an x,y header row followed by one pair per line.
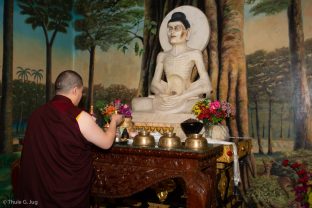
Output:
x,y
191,126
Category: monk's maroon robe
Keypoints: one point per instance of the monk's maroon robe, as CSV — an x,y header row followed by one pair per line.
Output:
x,y
56,163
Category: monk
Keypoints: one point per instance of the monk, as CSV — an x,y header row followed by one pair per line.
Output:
x,y
56,162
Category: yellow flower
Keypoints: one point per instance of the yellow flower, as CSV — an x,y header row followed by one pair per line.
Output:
x,y
310,198
196,109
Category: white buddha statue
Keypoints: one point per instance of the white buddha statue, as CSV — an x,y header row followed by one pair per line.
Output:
x,y
178,94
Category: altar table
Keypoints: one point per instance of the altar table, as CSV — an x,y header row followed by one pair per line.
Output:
x,y
125,170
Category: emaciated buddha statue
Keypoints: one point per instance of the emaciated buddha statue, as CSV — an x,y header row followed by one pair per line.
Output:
x,y
178,94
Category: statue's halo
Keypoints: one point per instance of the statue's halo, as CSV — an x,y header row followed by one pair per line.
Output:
x,y
200,30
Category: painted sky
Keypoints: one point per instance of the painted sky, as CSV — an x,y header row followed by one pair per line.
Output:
x,y
114,67
270,32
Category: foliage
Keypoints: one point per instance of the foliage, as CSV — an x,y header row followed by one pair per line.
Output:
x,y
7,159
212,112
113,92
268,7
27,96
105,23
52,15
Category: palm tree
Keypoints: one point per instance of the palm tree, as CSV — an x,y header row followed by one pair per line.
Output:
x,y
23,73
6,110
37,74
52,17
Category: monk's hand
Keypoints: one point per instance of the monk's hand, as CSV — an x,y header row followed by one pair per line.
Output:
x,y
117,118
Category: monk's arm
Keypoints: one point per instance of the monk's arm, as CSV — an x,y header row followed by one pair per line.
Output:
x,y
94,134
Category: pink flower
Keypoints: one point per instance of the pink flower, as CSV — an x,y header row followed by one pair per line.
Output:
x,y
215,105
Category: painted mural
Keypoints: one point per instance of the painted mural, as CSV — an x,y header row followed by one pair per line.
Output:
x,y
262,47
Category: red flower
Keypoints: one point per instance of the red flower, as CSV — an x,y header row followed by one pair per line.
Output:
x,y
295,165
301,172
285,163
304,179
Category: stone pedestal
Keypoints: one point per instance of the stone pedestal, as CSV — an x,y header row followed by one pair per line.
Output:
x,y
161,122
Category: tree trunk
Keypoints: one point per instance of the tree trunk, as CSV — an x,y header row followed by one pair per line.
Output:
x,y
301,98
6,111
289,130
233,83
258,126
213,46
251,123
263,130
20,123
48,72
281,120
153,11
270,151
91,76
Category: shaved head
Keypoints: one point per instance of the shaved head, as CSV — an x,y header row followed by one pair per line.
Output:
x,y
66,81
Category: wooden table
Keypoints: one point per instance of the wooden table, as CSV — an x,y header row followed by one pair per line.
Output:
x,y
125,170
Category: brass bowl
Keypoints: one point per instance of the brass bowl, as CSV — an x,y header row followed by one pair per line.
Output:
x,y
144,139
196,142
169,140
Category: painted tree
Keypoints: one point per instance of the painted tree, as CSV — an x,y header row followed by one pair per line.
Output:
x,y
256,99
270,95
233,82
37,74
104,24
6,111
51,16
23,73
301,98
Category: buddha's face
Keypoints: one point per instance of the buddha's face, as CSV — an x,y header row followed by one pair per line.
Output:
x,y
177,33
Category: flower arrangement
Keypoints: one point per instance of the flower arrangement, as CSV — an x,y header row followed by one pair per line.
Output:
x,y
113,108
212,112
303,187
